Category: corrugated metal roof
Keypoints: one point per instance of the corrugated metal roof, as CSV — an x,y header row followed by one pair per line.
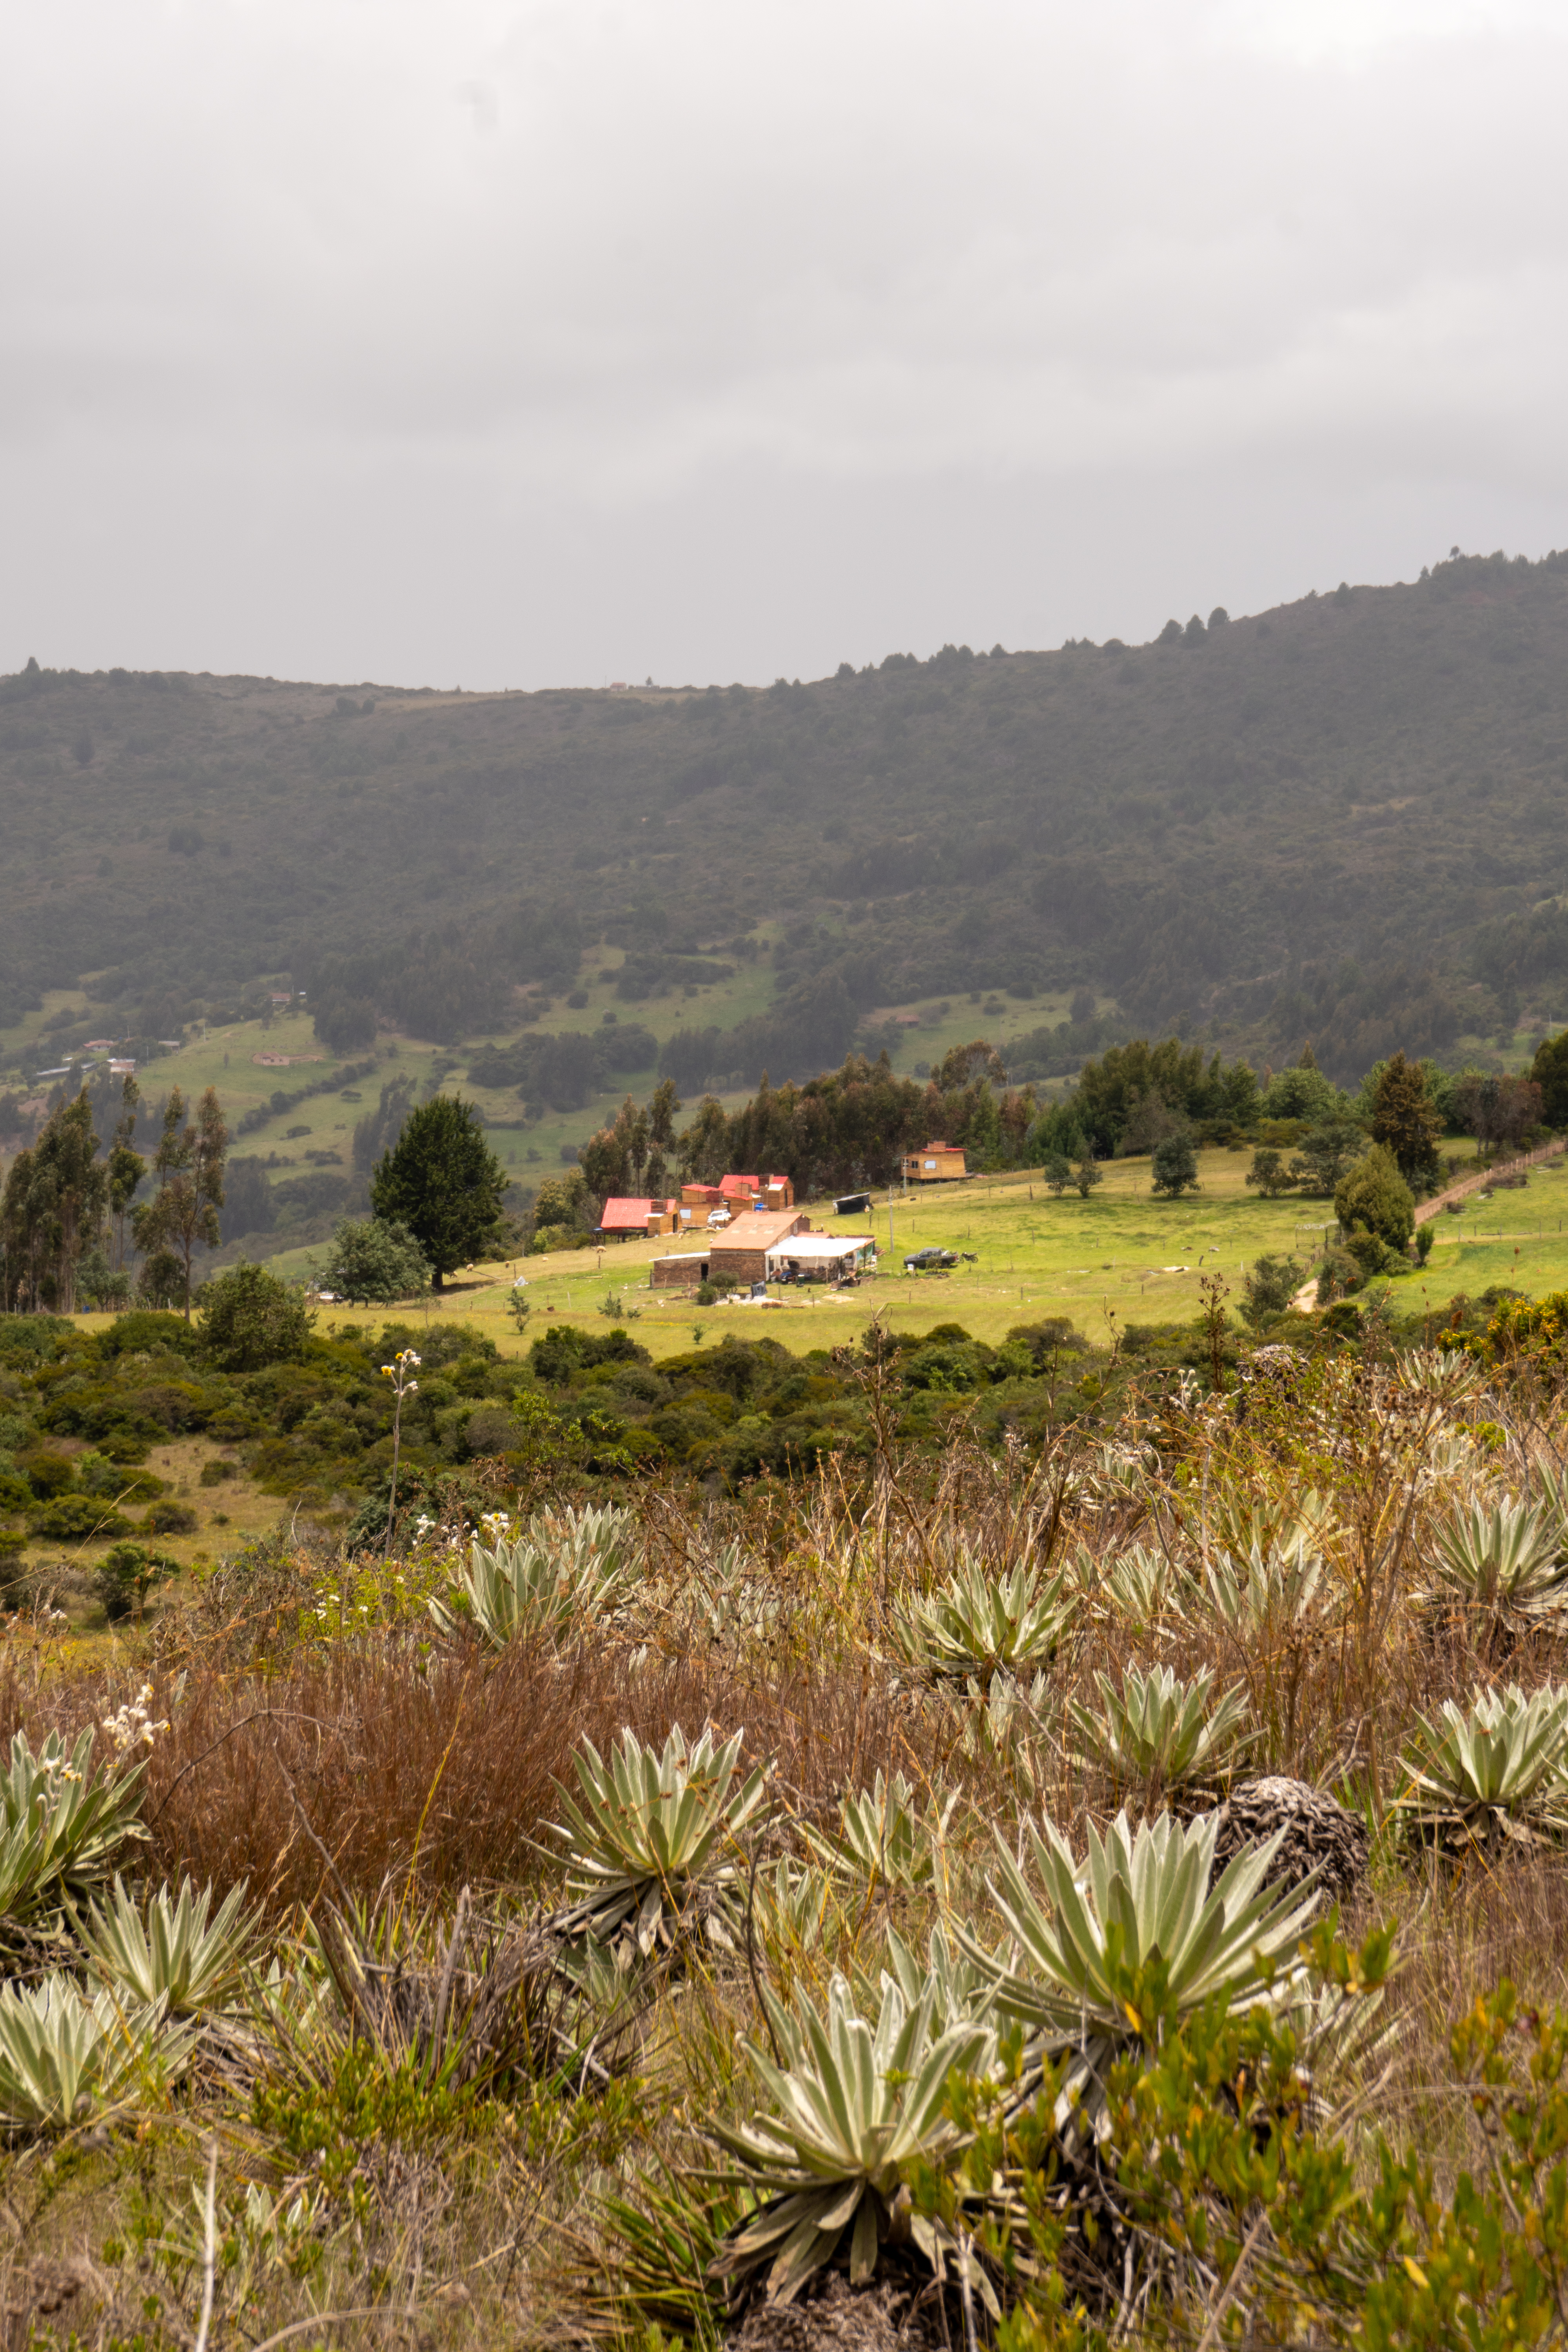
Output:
x,y
757,1229
634,1215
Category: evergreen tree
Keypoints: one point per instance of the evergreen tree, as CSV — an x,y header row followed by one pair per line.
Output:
x,y
442,1181
53,1210
1404,1119
1086,1176
1058,1173
126,1166
1375,1196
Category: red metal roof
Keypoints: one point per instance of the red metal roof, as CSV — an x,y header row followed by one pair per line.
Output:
x,y
739,1187
628,1217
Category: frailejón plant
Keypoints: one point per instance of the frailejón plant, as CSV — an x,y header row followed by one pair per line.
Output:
x,y
856,2107
61,1826
559,1573
885,1839
978,1624
1133,1937
1268,1595
651,1849
1158,1733
169,1949
64,2055
1502,1567
1499,1772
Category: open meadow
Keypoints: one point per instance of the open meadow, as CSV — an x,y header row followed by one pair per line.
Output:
x,y
1121,1253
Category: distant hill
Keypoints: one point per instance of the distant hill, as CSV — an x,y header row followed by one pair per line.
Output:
x,y
1344,819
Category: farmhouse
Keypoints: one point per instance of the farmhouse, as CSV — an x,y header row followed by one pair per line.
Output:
x,y
628,1219
939,1164
742,1248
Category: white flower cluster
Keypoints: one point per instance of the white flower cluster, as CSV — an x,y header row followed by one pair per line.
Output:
x,y
133,1727
497,1526
399,1370
422,1526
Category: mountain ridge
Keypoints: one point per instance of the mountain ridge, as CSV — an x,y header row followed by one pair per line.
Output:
x,y
1342,819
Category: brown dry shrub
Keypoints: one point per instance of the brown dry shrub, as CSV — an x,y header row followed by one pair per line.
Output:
x,y
446,1766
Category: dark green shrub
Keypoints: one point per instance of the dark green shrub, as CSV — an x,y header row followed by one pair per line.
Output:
x,y
213,1473
1175,1167
170,1519
1270,1286
47,1474
250,1318
72,1518
142,1330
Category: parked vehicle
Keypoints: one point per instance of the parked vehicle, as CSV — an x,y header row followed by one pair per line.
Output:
x,y
924,1261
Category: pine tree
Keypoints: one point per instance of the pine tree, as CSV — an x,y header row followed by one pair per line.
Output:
x,y
444,1183
1404,1117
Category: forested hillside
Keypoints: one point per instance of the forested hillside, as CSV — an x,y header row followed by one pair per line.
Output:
x,y
1343,819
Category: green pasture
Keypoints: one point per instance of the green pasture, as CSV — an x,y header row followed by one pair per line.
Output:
x,y
1122,1256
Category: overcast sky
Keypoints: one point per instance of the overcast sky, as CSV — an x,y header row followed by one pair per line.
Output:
x,y
480,343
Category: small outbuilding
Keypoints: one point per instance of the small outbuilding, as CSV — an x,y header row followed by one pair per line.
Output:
x,y
626,1219
938,1163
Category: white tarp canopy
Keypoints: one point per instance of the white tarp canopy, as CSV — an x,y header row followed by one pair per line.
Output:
x,y
821,1249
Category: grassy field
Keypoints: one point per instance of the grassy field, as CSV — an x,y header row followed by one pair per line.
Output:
x,y
1120,1253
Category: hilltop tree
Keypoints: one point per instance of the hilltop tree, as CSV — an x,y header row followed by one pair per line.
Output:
x,y
188,1164
1327,1155
662,1107
1270,1173
1404,1119
250,1318
442,1181
1499,1111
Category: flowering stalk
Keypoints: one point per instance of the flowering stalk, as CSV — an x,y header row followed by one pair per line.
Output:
x,y
400,1372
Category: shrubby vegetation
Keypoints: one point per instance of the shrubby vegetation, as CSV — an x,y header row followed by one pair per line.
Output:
x,y
535,1873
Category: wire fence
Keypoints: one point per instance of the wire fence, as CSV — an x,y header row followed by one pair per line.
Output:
x,y
1488,1177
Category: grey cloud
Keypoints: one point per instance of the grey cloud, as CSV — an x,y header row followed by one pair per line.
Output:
x,y
426,303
